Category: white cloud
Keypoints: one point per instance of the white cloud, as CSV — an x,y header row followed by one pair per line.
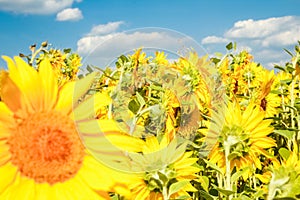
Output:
x,y
42,7
69,14
258,28
102,29
266,37
214,39
104,43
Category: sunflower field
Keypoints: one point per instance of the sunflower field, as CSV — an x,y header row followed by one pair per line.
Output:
x,y
149,127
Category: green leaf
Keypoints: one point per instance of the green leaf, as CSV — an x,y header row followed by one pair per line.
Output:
x,y
67,50
286,81
275,91
89,69
259,193
290,69
285,133
234,155
284,153
288,52
140,99
215,60
238,174
133,106
175,187
229,46
204,182
225,192
115,197
242,197
183,197
279,67
214,166
206,195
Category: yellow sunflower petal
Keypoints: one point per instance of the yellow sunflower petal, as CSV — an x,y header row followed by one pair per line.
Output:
x,y
45,192
4,152
253,120
5,120
142,194
93,173
185,161
24,189
8,173
10,94
80,191
49,80
263,142
70,92
107,135
190,188
262,130
88,108
151,145
65,98
5,113
82,85
29,82
126,142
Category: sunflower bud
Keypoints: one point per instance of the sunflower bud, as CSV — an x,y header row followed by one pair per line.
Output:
x,y
44,44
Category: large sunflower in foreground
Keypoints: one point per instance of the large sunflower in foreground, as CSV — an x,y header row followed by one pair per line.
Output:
x,y
42,156
245,135
166,171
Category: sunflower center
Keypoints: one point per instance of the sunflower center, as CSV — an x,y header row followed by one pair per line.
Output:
x,y
46,147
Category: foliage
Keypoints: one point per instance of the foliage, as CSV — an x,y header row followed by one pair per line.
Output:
x,y
225,127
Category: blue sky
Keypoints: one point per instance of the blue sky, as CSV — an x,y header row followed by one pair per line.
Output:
x,y
99,30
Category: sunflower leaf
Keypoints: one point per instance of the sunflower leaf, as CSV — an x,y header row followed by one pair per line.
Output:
x,y
214,166
238,174
225,192
175,187
204,182
284,153
285,133
206,195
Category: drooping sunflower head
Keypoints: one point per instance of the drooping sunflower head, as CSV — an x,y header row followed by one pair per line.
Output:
x,y
245,135
263,96
284,180
165,167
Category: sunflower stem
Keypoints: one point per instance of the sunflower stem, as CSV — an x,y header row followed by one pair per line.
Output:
x,y
165,193
228,171
34,54
293,97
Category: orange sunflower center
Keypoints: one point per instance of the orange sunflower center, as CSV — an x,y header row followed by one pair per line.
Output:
x,y
46,147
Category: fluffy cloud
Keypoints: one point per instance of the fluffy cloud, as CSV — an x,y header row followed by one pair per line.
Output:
x,y
103,29
266,37
214,39
35,6
69,14
104,43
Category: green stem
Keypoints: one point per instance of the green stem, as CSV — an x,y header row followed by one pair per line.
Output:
x,y
228,171
34,54
293,97
165,193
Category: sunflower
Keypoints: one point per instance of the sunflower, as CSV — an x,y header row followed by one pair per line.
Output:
x,y
245,134
284,180
42,156
163,167
267,101
241,76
